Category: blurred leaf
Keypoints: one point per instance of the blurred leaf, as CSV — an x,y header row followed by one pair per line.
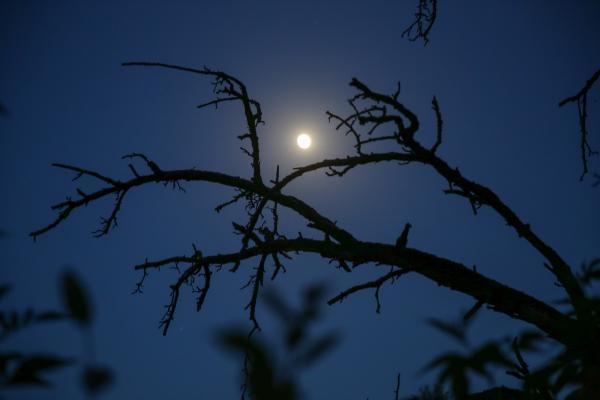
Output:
x,y
5,359
317,349
576,394
75,298
27,316
530,340
452,368
489,354
12,321
426,393
295,335
455,330
260,368
278,306
238,341
235,339
29,370
568,375
96,378
455,368
502,393
441,361
4,289
590,272
313,294
49,316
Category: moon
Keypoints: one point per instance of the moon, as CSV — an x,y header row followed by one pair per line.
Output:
x,y
304,141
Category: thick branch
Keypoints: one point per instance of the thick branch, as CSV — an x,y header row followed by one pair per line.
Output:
x,y
476,193
444,272
485,196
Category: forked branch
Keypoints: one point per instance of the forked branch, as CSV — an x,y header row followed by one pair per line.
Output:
x,y
581,100
406,126
371,111
424,20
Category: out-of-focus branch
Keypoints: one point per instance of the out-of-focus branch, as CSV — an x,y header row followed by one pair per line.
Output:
x,y
581,100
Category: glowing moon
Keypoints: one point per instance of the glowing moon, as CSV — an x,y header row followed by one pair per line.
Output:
x,y
304,141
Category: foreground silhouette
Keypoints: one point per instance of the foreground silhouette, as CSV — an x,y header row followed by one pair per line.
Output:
x,y
21,370
576,369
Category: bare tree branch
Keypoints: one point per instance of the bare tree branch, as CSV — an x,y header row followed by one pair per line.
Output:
x,y
189,175
424,20
371,111
376,284
442,271
439,124
477,194
233,89
581,99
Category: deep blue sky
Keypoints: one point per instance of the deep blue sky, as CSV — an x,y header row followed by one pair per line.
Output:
x,y
497,68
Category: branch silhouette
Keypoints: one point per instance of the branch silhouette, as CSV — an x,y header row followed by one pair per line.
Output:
x,y
424,19
375,117
581,100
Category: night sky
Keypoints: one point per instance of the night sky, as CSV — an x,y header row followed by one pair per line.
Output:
x,y
498,70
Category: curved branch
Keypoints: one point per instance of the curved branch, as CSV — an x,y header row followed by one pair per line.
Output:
x,y
347,162
216,177
188,175
444,272
476,193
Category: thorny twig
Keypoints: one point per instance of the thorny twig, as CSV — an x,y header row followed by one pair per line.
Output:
x,y
375,284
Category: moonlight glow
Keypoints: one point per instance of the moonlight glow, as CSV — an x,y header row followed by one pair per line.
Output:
x,y
304,141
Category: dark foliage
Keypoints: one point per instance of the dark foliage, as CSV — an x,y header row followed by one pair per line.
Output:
x,y
28,370
75,299
267,376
